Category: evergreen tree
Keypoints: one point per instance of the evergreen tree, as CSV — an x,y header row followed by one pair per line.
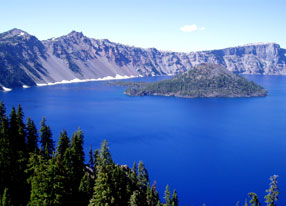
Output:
x,y
86,188
91,159
62,191
104,155
49,183
77,164
135,199
155,195
133,176
21,129
19,189
96,161
272,192
6,152
149,195
13,130
40,181
254,199
63,144
32,136
143,177
47,143
5,200
103,194
174,199
167,196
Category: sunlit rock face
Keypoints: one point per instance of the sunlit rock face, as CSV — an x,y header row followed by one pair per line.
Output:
x,y
27,61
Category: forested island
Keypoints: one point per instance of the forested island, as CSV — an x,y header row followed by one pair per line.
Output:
x,y
204,80
34,172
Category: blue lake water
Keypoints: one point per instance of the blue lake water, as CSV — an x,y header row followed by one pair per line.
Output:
x,y
211,151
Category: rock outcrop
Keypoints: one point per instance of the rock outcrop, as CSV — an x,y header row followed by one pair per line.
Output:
x,y
27,61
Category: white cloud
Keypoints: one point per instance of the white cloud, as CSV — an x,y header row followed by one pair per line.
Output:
x,y
191,28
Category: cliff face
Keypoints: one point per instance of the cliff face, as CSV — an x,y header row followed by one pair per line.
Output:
x,y
25,60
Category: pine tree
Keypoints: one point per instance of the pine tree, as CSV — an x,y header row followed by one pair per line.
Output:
x,y
91,159
143,177
86,188
272,192
155,195
5,200
49,183
19,189
254,199
135,199
167,196
13,130
77,164
103,194
133,176
6,152
21,129
39,180
47,143
32,136
63,144
96,161
104,156
62,191
174,199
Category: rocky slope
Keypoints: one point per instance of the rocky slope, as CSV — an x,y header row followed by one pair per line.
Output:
x,y
204,80
25,60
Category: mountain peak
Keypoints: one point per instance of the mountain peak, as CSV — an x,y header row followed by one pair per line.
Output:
x,y
14,34
75,34
17,32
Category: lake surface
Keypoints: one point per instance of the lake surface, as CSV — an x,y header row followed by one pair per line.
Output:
x,y
211,151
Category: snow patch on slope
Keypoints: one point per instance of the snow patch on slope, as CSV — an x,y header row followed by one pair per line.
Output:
x,y
76,80
5,89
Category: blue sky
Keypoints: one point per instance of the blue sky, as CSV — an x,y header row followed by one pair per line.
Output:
x,y
178,25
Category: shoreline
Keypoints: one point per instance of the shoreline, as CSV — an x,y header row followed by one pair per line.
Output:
x,y
76,80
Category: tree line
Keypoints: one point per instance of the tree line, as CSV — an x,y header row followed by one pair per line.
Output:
x,y
34,171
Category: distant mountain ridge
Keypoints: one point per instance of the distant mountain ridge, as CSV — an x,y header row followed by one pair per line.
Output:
x,y
27,61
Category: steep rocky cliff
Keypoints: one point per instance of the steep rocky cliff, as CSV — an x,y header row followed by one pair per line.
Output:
x,y
25,60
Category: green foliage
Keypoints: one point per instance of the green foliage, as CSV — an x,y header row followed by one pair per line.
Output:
x,y
63,145
167,196
174,199
86,187
77,164
254,199
272,192
32,136
135,199
5,200
205,80
143,177
47,143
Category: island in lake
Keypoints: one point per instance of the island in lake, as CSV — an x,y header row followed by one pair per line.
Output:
x,y
204,80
